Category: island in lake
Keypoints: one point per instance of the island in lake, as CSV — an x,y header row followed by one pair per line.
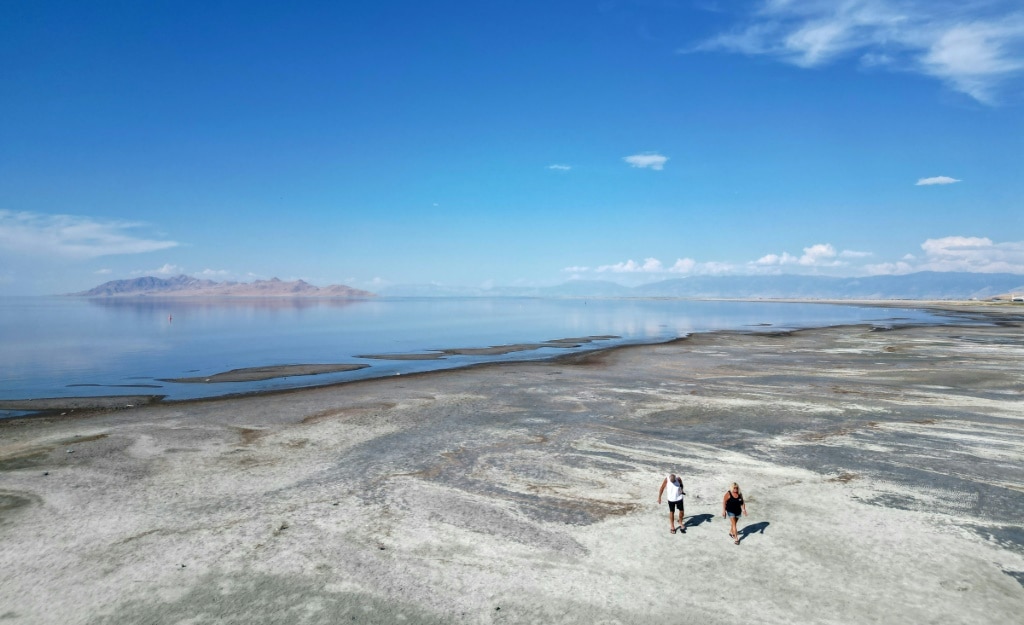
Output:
x,y
187,286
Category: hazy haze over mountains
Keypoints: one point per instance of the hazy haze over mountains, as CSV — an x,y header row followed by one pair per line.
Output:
x,y
922,285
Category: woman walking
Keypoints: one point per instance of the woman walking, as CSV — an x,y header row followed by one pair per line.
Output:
x,y
732,506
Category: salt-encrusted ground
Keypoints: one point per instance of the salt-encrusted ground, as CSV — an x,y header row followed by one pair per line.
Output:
x,y
883,470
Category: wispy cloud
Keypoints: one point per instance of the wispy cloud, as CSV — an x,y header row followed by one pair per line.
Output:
x,y
854,254
68,236
973,47
935,180
558,167
649,160
974,57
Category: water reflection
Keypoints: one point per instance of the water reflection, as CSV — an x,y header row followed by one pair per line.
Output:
x,y
153,305
64,347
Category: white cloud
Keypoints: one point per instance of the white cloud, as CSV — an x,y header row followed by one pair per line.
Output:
x,y
650,265
954,253
769,260
976,254
215,273
973,57
104,272
954,246
654,266
557,167
683,265
935,180
819,254
889,269
649,160
166,270
68,236
973,47
958,253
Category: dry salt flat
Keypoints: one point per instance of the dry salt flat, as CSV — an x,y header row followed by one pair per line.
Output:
x,y
883,470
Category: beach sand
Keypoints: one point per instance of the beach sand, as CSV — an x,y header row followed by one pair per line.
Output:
x,y
883,471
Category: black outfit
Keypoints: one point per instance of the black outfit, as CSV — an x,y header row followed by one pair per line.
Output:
x,y
734,505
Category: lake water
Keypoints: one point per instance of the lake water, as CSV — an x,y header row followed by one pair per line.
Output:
x,y
67,347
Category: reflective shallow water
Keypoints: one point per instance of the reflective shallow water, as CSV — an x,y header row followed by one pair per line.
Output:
x,y
66,347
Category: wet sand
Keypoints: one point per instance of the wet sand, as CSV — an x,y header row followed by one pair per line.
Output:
x,y
883,470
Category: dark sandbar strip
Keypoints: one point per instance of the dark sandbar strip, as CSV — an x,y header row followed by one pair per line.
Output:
x,y
494,350
255,374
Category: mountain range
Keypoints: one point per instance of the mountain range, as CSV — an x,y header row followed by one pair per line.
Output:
x,y
922,285
926,285
187,286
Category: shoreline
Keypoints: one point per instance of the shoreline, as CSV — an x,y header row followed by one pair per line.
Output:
x,y
50,407
441,497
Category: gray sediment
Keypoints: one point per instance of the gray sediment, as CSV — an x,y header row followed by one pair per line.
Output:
x,y
883,471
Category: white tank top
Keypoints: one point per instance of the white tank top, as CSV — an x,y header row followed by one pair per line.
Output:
x,y
674,491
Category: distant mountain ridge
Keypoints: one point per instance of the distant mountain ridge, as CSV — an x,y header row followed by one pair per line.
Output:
x,y
187,286
925,285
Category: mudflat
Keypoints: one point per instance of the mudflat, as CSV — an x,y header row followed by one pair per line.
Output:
x,y
883,470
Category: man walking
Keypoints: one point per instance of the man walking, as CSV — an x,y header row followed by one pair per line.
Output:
x,y
675,493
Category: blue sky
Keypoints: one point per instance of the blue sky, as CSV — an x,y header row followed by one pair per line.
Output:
x,y
507,143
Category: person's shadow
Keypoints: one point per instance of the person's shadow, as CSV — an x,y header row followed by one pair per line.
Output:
x,y
698,519
756,528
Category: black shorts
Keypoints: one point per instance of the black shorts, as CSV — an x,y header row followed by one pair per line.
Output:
x,y
672,505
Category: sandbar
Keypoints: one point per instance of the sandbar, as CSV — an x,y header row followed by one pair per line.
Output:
x,y
255,374
494,350
883,472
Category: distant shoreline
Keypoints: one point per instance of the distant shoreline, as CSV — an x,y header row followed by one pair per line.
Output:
x,y
76,406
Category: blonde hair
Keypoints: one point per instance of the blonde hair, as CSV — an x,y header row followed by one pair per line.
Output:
x,y
737,487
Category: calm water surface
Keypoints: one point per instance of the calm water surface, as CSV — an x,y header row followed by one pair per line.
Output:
x,y
65,347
